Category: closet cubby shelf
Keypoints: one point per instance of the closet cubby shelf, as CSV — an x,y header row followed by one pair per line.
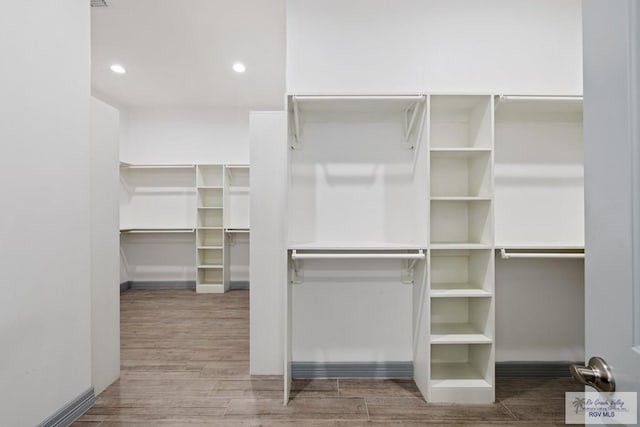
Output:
x,y
447,246
458,290
456,333
464,366
459,151
460,198
453,375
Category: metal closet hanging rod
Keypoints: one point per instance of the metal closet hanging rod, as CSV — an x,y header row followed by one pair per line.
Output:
x,y
541,255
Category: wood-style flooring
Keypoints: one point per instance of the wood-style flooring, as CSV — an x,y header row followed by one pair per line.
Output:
x,y
185,361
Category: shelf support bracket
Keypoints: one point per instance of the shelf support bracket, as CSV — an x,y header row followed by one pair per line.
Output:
x,y
407,276
296,119
423,118
296,275
410,123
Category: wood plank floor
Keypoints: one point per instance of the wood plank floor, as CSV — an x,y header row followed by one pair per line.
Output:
x,y
185,361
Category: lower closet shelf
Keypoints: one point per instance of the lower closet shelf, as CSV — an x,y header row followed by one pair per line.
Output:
x,y
210,288
451,375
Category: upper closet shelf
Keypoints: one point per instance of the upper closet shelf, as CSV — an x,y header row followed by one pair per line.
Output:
x,y
124,165
543,254
353,246
236,230
156,230
538,104
539,246
414,108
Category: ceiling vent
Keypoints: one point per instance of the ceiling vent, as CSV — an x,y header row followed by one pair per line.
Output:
x,y
99,3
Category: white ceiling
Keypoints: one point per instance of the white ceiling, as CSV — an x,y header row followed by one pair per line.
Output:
x,y
179,53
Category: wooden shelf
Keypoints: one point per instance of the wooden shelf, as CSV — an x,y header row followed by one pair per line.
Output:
x,y
209,247
211,266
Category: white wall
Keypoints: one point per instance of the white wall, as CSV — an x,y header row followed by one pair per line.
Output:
x,y
45,255
105,289
180,136
165,135
489,46
268,241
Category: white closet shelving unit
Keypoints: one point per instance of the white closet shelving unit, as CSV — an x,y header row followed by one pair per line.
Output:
x,y
461,273
364,184
210,229
211,200
357,195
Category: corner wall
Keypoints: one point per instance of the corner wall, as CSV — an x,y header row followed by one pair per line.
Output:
x,y
45,255
105,285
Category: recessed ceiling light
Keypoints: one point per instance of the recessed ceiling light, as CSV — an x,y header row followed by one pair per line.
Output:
x,y
239,67
118,69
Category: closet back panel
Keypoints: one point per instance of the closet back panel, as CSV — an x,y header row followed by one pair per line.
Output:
x,y
539,177
158,257
352,311
237,203
162,198
352,180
